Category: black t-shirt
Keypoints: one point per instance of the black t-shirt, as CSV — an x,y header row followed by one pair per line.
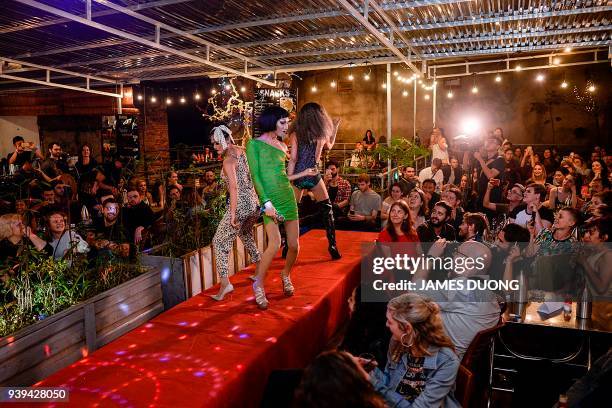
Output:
x,y
332,192
22,157
138,216
505,209
427,234
496,193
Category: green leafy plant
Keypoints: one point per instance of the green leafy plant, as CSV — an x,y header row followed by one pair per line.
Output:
x,y
401,152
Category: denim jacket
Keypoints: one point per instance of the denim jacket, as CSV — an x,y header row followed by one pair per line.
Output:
x,y
441,370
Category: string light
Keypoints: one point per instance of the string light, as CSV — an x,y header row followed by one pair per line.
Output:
x,y
395,73
540,78
384,85
139,97
197,96
313,89
518,68
333,84
556,61
426,97
183,100
153,99
450,95
228,87
591,88
213,91
367,76
568,49
405,93
243,89
563,84
351,77
168,101
498,78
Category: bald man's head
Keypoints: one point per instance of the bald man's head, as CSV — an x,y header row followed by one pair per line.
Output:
x,y
477,251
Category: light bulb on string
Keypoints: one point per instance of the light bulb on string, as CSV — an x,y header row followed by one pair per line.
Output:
x,y
474,89
367,76
333,84
196,96
540,78
182,100
351,77
384,85
242,89
395,73
153,99
591,88
168,101
313,89
426,97
139,97
405,93
568,49
450,95
518,68
564,84
213,91
498,78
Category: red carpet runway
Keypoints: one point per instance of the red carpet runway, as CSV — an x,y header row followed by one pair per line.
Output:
x,y
208,354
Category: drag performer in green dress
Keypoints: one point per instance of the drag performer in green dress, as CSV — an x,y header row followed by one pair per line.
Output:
x,y
267,157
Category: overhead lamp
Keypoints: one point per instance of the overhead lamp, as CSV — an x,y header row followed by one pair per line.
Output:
x,y
168,101
405,93
591,88
182,100
540,77
243,89
139,97
351,77
395,73
153,99
568,49
450,95
518,68
333,84
426,97
474,89
384,85
313,89
196,96
214,91
498,78
564,84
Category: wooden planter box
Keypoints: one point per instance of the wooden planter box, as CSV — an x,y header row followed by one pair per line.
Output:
x,y
42,348
194,272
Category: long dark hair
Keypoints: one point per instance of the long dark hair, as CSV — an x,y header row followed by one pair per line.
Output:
x,y
333,380
312,124
406,227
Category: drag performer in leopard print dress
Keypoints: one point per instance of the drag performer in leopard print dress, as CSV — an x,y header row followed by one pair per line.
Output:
x,y
243,210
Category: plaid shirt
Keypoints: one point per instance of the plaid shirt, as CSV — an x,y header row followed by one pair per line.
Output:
x,y
344,190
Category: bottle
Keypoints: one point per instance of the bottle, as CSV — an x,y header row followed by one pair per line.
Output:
x,y
567,310
85,217
562,401
585,306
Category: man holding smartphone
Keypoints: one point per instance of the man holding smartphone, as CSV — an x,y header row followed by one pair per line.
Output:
x,y
24,151
490,166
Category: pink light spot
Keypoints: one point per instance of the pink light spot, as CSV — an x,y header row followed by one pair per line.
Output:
x,y
275,280
143,331
194,324
149,325
271,339
47,350
289,307
84,351
132,346
217,348
183,337
308,307
235,328
200,304
256,314
229,336
250,298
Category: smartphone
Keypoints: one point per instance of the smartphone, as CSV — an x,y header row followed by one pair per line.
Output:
x,y
495,182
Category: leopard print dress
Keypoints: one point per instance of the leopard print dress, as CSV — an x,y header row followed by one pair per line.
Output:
x,y
247,213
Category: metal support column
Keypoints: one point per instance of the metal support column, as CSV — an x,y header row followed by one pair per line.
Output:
x,y
389,117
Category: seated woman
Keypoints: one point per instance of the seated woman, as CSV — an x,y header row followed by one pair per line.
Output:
x,y
400,229
422,365
12,232
336,380
395,194
418,209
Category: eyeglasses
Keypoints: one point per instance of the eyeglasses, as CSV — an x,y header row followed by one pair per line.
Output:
x,y
456,252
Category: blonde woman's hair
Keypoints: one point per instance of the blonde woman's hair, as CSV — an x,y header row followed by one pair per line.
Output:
x,y
423,315
5,224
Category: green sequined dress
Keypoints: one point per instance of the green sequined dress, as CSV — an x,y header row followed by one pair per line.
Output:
x,y
267,164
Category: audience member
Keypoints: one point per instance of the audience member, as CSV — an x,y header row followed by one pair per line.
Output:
x,y
408,180
437,226
364,206
417,207
369,141
474,227
395,194
433,172
339,189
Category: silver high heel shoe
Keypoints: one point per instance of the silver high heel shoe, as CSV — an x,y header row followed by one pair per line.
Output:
x,y
288,288
219,296
260,296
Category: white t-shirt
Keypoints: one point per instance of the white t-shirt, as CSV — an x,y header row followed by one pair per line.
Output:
x,y
437,152
426,173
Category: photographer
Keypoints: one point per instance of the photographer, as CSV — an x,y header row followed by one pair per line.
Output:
x,y
24,151
489,165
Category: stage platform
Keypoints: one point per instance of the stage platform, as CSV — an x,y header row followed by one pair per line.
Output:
x,y
204,353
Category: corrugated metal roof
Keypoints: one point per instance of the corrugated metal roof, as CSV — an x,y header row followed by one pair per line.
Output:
x,y
283,34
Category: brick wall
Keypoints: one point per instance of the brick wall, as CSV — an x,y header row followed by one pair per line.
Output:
x,y
154,141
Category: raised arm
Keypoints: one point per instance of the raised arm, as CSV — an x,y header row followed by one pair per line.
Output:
x,y
486,201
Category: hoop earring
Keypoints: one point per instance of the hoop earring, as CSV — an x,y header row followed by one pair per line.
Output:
x,y
404,344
